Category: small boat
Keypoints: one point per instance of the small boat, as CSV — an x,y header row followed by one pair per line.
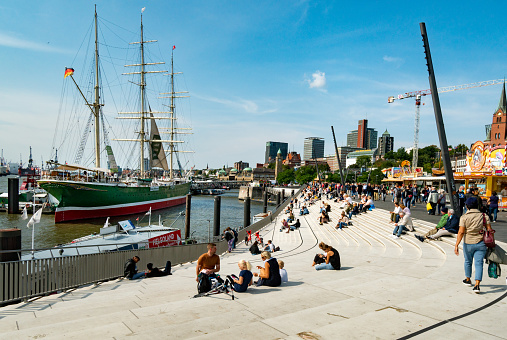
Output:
x,y
122,236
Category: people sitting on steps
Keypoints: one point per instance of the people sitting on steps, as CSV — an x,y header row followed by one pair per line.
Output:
x,y
343,221
450,227
155,272
130,269
405,224
208,263
245,279
294,226
270,247
395,217
330,261
269,275
254,248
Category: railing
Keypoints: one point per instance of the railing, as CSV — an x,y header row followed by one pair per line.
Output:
x,y
26,279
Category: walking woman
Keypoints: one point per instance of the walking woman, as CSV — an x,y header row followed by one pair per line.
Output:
x,y
493,205
471,226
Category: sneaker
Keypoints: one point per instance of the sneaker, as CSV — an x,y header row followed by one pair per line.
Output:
x,y
420,238
467,282
476,290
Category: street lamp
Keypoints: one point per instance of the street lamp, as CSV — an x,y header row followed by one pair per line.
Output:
x,y
209,230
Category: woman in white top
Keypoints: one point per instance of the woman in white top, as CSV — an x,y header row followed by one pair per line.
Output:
x,y
394,214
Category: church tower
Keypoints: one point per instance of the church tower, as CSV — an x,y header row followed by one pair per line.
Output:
x,y
498,132
278,164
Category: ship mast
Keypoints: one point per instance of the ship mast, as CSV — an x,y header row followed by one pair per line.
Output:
x,y
96,104
143,114
173,130
142,86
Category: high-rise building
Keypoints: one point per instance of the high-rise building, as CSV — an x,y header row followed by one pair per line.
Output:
x,y
313,148
272,148
371,138
385,143
364,137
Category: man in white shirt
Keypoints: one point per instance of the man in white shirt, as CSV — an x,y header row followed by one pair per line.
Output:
x,y
270,247
405,223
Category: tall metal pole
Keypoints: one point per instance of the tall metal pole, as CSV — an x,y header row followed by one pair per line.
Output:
x,y
338,157
449,177
96,104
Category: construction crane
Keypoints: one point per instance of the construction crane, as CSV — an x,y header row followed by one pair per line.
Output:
x,y
418,94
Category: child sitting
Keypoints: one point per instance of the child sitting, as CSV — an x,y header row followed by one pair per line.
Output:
x,y
241,283
283,272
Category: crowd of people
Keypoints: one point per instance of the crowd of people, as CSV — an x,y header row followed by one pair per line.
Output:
x,y
353,200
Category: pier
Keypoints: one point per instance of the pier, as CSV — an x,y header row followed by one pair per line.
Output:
x,y
387,289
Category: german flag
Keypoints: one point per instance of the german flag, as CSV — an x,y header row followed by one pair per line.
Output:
x,y
68,72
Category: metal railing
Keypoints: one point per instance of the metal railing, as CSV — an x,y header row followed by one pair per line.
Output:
x,y
26,279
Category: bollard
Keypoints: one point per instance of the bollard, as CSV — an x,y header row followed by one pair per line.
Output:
x,y
283,195
246,216
278,199
10,239
265,201
187,215
13,192
216,217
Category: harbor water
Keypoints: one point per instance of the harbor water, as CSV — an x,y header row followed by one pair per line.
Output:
x,y
49,234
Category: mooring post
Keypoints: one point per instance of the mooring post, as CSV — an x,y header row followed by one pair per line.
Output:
x,y
265,201
246,215
13,192
216,217
187,216
278,196
283,195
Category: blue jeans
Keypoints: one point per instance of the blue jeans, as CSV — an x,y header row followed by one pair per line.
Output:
x,y
342,224
474,253
399,229
137,276
324,266
493,212
406,201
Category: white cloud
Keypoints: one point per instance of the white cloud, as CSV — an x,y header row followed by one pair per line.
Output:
x,y
245,105
11,41
319,80
392,59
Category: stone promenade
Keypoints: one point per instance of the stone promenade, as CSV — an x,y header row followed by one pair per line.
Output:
x,y
387,289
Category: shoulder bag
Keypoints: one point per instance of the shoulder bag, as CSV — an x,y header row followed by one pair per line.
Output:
x,y
488,236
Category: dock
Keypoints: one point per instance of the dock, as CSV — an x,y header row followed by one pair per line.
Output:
x,y
386,289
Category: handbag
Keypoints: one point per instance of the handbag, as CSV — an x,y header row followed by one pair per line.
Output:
x,y
428,206
488,236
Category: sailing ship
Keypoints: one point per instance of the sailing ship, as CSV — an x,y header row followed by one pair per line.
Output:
x,y
104,194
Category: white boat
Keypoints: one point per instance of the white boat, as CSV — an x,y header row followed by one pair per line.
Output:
x,y
122,236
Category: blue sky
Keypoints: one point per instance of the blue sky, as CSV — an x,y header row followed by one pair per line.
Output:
x,y
255,71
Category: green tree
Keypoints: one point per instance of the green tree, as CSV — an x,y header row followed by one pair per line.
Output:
x,y
401,154
363,161
271,165
305,174
287,176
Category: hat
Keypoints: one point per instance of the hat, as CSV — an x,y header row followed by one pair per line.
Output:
x,y
444,210
472,201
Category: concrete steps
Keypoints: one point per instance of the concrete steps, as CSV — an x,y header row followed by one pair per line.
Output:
x,y
386,289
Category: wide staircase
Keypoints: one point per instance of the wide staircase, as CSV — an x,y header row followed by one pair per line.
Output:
x,y
387,288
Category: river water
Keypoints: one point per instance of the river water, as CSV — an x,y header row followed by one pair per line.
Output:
x,y
49,234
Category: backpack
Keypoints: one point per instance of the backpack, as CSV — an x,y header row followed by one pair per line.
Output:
x,y
494,270
203,284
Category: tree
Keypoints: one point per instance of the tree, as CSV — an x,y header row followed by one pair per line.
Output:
x,y
287,176
305,174
271,165
363,162
323,167
401,154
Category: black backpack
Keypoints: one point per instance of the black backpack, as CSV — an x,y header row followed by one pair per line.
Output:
x,y
203,284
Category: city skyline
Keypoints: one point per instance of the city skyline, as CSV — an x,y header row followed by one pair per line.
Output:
x,y
326,65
